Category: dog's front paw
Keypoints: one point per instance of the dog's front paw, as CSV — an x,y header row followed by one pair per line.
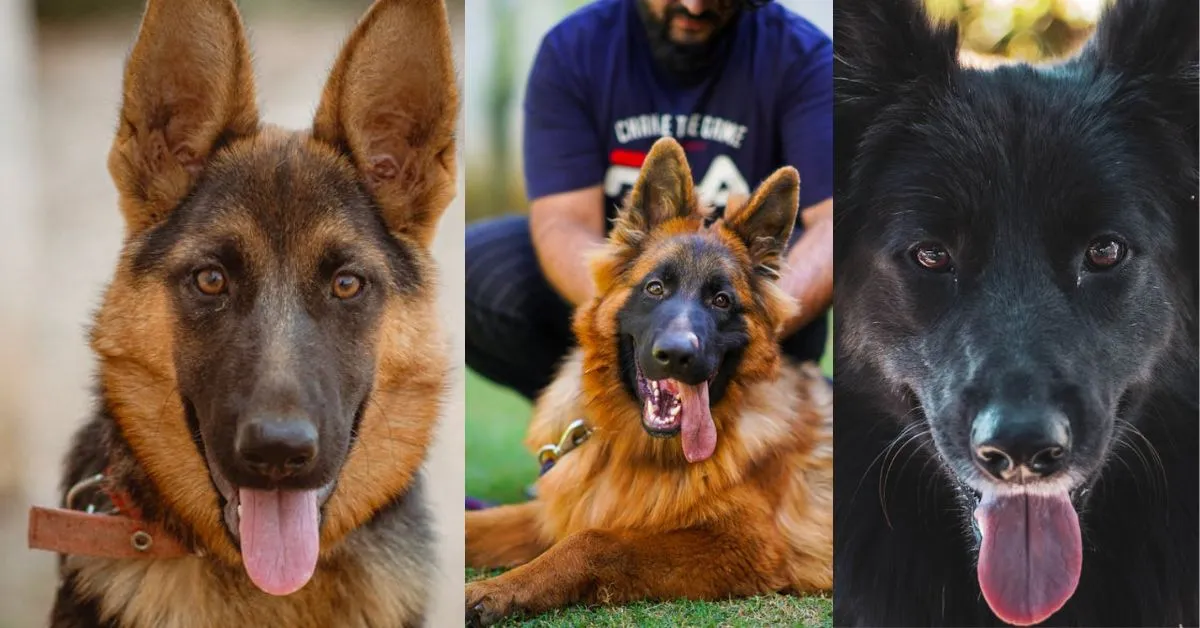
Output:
x,y
488,603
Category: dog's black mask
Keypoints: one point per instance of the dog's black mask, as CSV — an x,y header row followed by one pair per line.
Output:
x,y
682,325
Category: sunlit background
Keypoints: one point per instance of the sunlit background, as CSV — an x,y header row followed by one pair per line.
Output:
x,y
1025,30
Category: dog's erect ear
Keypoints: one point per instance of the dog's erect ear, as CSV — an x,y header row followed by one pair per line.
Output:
x,y
188,88
664,190
884,51
765,222
1152,46
390,105
883,47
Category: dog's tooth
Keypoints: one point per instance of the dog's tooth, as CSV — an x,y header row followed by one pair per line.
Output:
x,y
675,410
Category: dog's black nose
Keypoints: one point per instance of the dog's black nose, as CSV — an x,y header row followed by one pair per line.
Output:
x,y
275,447
1008,438
676,352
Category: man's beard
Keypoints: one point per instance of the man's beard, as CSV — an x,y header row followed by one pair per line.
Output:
x,y
685,63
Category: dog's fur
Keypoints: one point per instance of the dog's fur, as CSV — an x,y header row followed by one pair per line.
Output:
x,y
1015,170
202,181
624,516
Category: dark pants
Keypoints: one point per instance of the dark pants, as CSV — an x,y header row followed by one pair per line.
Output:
x,y
519,329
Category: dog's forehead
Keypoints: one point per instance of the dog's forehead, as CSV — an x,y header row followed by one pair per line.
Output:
x,y
1034,147
283,194
287,182
279,202
692,256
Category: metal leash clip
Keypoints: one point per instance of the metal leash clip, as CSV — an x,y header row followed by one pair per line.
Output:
x,y
572,437
93,482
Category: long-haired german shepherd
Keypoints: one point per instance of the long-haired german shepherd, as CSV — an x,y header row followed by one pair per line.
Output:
x,y
270,365
1016,257
708,471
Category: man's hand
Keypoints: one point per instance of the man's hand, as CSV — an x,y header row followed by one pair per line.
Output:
x,y
565,227
809,273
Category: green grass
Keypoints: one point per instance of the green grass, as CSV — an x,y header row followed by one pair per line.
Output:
x,y
764,610
499,469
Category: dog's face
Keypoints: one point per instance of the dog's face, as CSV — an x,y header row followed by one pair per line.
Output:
x,y
1013,256
275,294
690,300
279,270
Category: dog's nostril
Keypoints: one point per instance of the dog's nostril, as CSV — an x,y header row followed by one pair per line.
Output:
x,y
1029,437
276,447
296,462
994,461
1048,460
673,351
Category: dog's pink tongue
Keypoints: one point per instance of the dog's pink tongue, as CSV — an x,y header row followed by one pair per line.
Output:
x,y
1030,557
697,428
280,540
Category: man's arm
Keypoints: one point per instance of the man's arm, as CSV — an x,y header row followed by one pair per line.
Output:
x,y
807,131
565,227
564,167
809,272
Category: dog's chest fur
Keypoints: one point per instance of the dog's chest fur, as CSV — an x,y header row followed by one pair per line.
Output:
x,y
380,591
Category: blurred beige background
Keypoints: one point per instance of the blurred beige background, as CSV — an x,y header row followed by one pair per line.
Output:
x,y
60,232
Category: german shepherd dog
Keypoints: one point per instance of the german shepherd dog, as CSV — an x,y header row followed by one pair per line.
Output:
x,y
270,364
707,473
1016,255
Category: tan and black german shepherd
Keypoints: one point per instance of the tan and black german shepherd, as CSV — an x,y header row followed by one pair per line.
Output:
x,y
708,471
270,365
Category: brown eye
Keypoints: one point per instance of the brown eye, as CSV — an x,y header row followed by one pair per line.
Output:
x,y
210,281
655,288
931,257
347,285
722,301
1106,252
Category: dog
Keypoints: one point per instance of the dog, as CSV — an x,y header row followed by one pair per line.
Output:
x,y
1016,285
706,472
270,365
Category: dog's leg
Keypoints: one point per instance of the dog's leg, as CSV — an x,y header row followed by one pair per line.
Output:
x,y
614,567
505,536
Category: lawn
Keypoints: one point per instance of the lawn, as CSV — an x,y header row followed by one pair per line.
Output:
x,y
499,469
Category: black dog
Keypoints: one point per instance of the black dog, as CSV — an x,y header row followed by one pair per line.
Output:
x,y
1016,254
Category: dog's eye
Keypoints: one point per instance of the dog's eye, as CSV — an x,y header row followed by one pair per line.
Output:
x,y
722,301
210,281
655,288
931,257
347,285
1105,252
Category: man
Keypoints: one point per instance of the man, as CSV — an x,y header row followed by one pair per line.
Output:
x,y
746,87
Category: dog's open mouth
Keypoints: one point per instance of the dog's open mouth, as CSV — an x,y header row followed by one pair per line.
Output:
x,y
671,407
1030,552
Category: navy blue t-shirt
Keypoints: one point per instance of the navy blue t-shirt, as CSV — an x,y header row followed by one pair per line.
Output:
x,y
595,104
